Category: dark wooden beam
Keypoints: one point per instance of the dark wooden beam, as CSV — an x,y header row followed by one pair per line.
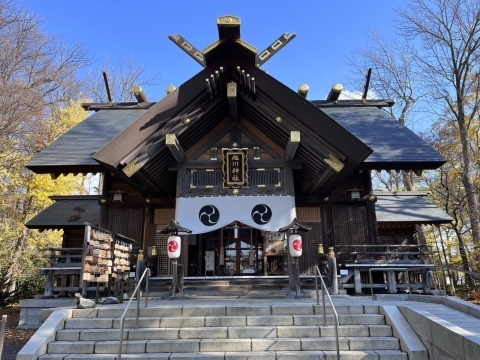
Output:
x,y
292,145
217,164
175,148
232,100
259,141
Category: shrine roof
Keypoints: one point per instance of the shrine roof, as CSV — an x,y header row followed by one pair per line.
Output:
x,y
408,208
73,151
67,212
394,145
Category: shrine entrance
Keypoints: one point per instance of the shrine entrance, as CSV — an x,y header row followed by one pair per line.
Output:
x,y
232,252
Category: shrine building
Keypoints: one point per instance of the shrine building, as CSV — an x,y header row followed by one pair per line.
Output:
x,y
234,155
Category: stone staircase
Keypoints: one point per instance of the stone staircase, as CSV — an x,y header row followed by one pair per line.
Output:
x,y
233,332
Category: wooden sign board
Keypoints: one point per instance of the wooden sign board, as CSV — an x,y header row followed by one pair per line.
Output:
x,y
235,168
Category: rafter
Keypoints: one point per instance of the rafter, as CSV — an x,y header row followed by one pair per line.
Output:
x,y
175,148
292,145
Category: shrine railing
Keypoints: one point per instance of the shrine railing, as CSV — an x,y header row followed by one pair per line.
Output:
x,y
388,252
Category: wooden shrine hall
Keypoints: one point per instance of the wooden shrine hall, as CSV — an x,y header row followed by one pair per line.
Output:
x,y
234,155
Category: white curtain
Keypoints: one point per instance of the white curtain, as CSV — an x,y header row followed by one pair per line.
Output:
x,y
205,214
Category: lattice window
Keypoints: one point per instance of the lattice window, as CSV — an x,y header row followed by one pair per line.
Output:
x,y
341,227
117,221
164,216
311,240
213,177
134,224
164,265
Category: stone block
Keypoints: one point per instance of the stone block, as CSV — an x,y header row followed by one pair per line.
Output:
x,y
145,356
471,347
265,355
88,323
419,322
154,334
102,335
323,344
449,338
179,322
371,309
71,347
163,311
352,355
128,347
203,333
341,309
92,356
344,330
252,332
276,344
317,320
292,310
199,355
226,321
173,346
379,330
300,355
142,323
297,331
221,345
392,355
378,343
85,313
115,312
204,311
249,310
269,320
357,319
68,335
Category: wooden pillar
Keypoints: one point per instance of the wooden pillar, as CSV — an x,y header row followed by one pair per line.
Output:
x,y
371,214
106,181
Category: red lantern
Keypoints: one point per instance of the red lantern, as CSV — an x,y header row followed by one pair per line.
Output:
x,y
295,245
174,247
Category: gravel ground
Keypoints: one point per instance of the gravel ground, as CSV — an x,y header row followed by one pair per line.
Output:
x,y
14,339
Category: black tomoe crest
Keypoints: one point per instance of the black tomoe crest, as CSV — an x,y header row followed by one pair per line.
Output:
x,y
209,215
261,214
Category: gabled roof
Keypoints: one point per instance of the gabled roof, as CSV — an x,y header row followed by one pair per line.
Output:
x,y
143,142
67,212
408,208
394,145
73,151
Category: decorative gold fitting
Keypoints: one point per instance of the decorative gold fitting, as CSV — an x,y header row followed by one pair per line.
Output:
x,y
140,256
154,251
186,121
372,198
331,253
278,118
236,191
320,249
147,200
326,198
103,201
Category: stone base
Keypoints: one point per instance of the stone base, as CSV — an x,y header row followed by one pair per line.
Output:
x,y
30,310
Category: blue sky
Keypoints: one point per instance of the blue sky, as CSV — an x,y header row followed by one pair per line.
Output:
x,y
327,32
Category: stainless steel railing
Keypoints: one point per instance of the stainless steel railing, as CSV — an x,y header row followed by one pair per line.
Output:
x,y
122,318
335,315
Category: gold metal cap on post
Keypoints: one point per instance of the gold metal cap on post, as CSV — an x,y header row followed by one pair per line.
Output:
x,y
140,256
320,249
331,252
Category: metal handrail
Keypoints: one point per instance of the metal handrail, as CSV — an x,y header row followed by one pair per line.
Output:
x,y
122,318
2,333
388,269
324,289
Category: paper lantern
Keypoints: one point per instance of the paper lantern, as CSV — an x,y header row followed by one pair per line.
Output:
x,y
174,246
295,245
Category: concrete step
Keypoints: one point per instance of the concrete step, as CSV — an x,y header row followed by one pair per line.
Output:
x,y
229,355
224,345
199,311
252,320
230,332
